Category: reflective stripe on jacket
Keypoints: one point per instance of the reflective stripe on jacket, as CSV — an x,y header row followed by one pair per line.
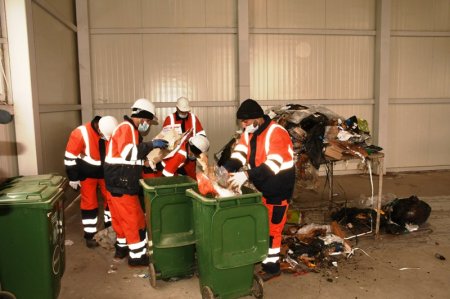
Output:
x,y
123,165
269,155
184,124
85,151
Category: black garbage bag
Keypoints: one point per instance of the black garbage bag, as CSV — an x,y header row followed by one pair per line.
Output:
x,y
410,210
314,125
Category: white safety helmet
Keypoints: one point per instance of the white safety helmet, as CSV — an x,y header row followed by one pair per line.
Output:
x,y
200,142
183,104
143,105
106,125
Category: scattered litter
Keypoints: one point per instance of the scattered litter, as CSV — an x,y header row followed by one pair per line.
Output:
x,y
142,275
440,257
112,269
334,263
401,269
106,238
68,242
411,227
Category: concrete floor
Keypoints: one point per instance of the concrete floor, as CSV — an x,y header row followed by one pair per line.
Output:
x,y
401,266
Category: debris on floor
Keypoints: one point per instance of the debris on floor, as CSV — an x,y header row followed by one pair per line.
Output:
x,y
106,238
322,247
68,242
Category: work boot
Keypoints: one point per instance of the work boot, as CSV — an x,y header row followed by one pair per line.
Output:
x,y
91,243
121,252
269,271
143,261
266,276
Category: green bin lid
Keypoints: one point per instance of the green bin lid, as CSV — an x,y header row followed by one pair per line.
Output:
x,y
29,195
41,179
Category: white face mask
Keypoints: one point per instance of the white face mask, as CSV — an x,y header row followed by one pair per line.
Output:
x,y
182,114
251,128
143,127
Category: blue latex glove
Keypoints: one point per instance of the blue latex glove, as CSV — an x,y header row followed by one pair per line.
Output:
x,y
160,143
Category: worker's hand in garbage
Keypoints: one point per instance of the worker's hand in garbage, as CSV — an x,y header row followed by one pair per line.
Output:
x,y
160,143
75,184
237,179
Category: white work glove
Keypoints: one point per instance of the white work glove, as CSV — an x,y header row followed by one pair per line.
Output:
x,y
75,184
237,179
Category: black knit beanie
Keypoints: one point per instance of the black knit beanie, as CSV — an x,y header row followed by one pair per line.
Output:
x,y
249,109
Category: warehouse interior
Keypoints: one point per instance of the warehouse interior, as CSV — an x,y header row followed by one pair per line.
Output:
x,y
385,61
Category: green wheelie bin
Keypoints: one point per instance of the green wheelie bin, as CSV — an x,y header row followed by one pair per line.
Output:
x,y
232,236
170,227
32,240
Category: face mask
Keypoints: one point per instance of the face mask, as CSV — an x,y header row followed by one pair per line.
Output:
x,y
192,158
182,114
143,127
251,128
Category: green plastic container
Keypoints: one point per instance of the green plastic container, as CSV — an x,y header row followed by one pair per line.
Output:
x,y
170,227
232,236
32,240
51,179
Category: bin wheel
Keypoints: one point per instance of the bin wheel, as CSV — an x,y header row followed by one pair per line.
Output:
x,y
152,275
6,295
207,293
257,288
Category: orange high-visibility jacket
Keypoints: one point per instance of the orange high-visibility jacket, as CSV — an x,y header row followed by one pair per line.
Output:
x,y
174,165
269,155
184,124
124,159
85,153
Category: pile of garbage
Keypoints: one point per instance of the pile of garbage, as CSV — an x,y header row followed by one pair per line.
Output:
x,y
311,247
314,247
319,134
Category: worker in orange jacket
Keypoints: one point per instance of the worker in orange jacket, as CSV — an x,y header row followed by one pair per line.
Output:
x,y
182,121
187,151
266,151
124,160
84,159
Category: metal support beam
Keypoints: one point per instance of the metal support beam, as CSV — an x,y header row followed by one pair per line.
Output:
x,y
84,60
243,51
24,86
382,72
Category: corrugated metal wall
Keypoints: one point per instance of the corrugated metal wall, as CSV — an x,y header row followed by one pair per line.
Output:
x,y
57,80
420,84
301,51
162,50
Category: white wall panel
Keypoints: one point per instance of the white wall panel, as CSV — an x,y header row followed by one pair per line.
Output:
x,y
294,14
419,135
420,67
192,13
56,128
117,68
433,15
115,13
350,14
162,14
201,67
56,60
349,67
285,67
320,14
